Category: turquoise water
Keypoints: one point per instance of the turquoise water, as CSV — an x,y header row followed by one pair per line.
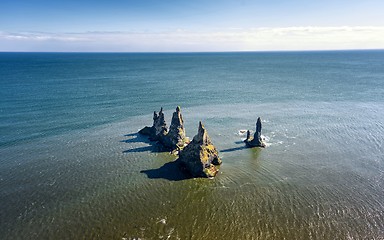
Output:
x,y
72,166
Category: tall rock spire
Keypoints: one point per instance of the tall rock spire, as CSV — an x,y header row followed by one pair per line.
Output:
x,y
160,125
176,130
202,136
175,139
257,140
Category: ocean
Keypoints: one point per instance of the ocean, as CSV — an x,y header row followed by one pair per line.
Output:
x,y
72,165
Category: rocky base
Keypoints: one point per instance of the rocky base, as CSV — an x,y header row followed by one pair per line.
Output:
x,y
256,140
147,131
200,158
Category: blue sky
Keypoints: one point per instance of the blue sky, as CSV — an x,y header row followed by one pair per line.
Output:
x,y
198,25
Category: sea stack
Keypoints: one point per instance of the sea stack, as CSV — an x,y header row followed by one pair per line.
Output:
x,y
160,125
256,140
200,157
175,139
158,129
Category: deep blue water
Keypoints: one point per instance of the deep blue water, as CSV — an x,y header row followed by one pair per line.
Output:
x,y
51,93
70,166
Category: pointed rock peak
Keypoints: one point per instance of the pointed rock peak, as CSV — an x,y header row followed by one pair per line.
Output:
x,y
257,140
161,116
176,135
201,131
200,157
159,124
258,129
248,135
177,119
202,127
155,115
258,125
202,135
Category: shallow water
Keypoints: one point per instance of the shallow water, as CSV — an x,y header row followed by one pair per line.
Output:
x,y
321,176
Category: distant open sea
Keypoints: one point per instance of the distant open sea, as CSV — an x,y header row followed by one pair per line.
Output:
x,y
73,167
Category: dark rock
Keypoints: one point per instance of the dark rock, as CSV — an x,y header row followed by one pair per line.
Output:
x,y
176,130
248,136
147,131
200,157
256,140
158,129
175,139
159,125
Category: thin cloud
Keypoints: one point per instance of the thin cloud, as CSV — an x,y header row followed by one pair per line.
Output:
x,y
254,39
35,36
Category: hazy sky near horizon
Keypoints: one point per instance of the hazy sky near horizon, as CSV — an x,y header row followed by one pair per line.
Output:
x,y
198,25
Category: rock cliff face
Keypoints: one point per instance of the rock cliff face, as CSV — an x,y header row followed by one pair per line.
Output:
x,y
256,140
200,157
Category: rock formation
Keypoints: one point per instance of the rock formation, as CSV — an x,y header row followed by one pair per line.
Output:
x,y
256,140
158,129
159,125
200,157
175,138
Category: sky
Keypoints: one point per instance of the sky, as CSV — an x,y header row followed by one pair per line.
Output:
x,y
190,25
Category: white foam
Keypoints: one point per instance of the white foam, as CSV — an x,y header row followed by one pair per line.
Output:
x,y
163,221
265,138
242,132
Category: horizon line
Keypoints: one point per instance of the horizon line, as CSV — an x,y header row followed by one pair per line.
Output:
x,y
183,52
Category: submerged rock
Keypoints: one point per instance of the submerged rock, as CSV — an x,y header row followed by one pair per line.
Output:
x,y
200,157
256,140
